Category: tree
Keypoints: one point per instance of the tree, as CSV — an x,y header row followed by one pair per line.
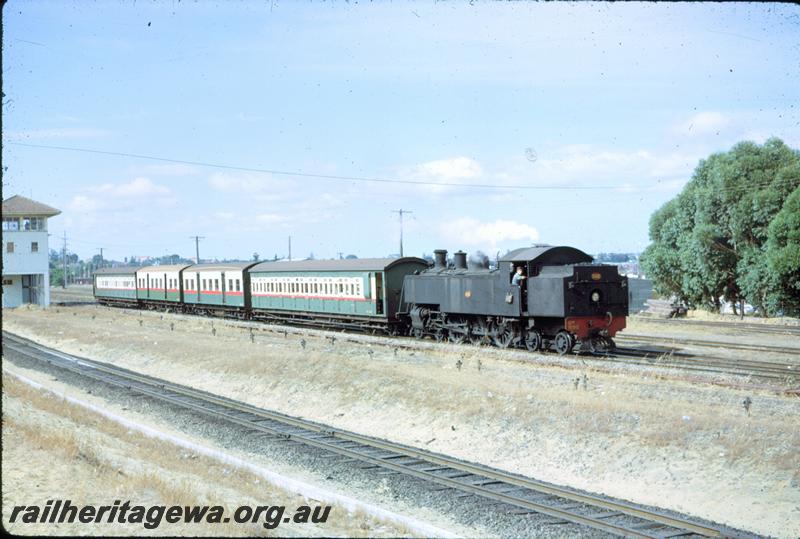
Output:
x,y
710,241
783,258
255,257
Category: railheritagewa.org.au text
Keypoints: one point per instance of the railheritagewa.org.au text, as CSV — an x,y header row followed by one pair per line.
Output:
x,y
153,516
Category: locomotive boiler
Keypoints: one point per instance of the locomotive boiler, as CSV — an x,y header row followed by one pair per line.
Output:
x,y
564,300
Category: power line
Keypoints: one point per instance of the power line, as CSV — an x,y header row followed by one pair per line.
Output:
x,y
324,176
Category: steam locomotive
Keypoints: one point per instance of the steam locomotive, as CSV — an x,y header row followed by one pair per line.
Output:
x,y
564,299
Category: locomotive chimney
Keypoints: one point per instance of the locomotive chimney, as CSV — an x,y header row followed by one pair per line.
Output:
x,y
440,259
460,260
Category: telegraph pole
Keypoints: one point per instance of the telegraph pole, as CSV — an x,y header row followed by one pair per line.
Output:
x,y
64,262
101,256
290,248
400,212
197,245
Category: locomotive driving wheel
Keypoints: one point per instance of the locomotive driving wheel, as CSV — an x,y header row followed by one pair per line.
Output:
x,y
533,340
564,342
456,337
458,332
478,332
503,336
439,334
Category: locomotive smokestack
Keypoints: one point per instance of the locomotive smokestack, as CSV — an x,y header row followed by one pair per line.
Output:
x,y
460,260
440,258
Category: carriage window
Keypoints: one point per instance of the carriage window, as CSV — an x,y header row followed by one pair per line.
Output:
x,y
237,285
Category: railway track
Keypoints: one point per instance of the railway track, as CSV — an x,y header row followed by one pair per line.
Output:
x,y
634,337
756,328
773,370
652,357
522,495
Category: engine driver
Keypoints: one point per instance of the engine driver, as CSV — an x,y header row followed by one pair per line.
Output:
x,y
519,276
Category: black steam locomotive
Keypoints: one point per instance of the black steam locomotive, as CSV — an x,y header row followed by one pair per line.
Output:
x,y
563,300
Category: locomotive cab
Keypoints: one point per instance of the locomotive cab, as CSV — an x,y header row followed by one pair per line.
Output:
x,y
568,299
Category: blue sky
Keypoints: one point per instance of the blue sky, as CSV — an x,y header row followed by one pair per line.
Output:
x,y
594,114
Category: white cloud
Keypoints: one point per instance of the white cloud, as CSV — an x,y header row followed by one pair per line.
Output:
x,y
703,123
474,233
271,218
458,168
83,203
123,196
248,183
57,133
172,169
443,171
138,187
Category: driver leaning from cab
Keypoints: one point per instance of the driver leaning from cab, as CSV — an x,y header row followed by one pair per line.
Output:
x,y
519,276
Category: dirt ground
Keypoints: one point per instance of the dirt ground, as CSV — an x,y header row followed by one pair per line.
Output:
x,y
680,445
53,449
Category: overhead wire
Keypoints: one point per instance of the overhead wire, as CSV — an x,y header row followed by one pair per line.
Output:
x,y
333,177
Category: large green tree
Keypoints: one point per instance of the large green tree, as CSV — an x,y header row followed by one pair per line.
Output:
x,y
715,239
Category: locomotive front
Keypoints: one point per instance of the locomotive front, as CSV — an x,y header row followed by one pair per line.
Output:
x,y
596,298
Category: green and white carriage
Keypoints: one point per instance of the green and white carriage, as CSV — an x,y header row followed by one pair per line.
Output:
x,y
359,293
115,285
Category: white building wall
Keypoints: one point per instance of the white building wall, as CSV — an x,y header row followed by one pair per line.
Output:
x,y
25,262
12,293
22,261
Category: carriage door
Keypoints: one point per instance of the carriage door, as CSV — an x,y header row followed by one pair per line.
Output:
x,y
378,292
164,283
223,287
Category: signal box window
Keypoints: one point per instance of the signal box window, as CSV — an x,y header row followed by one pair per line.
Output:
x,y
34,246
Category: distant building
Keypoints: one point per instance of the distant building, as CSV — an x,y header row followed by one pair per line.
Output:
x,y
26,265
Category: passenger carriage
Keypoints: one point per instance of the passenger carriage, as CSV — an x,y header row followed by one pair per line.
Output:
x,y
217,288
159,285
115,285
355,294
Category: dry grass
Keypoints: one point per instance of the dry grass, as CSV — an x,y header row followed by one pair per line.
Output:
x,y
526,417
124,464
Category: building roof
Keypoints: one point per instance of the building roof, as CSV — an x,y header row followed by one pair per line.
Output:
x,y
22,206
119,270
547,255
222,266
353,264
164,268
